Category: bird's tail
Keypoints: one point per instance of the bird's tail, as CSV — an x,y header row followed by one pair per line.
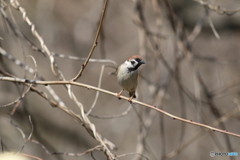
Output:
x,y
132,94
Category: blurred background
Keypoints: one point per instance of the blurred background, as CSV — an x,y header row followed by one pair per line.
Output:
x,y
192,52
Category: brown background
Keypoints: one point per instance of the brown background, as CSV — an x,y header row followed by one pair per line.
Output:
x,y
69,28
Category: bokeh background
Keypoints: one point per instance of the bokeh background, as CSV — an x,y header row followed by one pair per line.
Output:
x,y
192,71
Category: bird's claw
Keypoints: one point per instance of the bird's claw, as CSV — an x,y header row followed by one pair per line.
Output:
x,y
118,95
130,100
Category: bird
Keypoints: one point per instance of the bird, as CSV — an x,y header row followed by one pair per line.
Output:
x,y
127,75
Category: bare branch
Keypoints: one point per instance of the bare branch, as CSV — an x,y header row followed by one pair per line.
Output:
x,y
115,94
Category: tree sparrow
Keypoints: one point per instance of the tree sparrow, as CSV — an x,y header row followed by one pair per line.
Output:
x,y
127,75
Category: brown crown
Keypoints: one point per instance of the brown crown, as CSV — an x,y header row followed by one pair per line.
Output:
x,y
134,57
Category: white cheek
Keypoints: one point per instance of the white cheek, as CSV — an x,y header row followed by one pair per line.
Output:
x,y
130,65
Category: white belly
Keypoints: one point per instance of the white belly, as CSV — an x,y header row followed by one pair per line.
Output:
x,y
128,81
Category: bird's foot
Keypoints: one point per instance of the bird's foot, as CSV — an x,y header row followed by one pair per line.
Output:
x,y
119,94
130,100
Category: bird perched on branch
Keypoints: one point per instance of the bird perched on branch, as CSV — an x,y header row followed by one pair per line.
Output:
x,y
127,75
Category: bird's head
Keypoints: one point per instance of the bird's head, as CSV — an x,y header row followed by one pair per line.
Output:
x,y
134,62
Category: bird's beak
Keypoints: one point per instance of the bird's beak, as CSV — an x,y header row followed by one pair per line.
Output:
x,y
142,62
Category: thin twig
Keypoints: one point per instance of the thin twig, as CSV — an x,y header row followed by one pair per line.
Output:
x,y
84,59
129,154
97,93
113,116
211,24
95,42
18,7
218,9
224,118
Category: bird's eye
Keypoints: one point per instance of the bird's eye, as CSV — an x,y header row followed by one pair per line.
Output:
x,y
133,62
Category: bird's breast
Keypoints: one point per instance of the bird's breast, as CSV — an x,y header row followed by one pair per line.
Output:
x,y
128,80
